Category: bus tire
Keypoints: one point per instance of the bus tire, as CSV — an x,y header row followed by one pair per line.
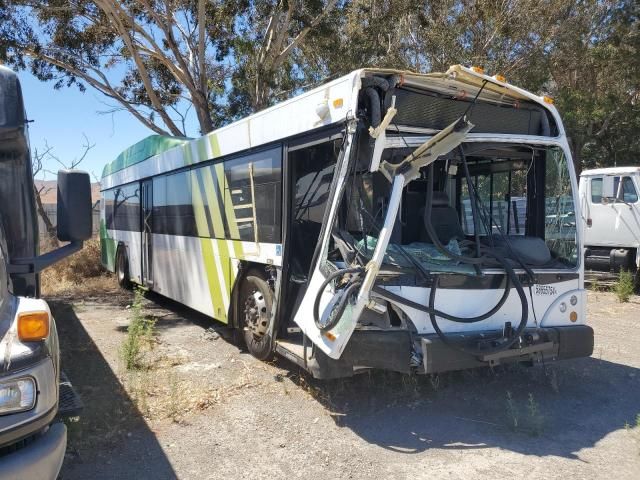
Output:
x,y
254,307
122,269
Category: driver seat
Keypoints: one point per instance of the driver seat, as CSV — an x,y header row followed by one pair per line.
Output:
x,y
444,219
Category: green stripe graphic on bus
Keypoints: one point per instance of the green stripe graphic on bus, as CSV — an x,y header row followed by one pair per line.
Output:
x,y
216,260
200,222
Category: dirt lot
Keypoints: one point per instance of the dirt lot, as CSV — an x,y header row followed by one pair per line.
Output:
x,y
199,408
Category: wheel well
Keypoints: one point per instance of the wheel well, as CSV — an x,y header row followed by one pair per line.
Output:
x,y
121,247
245,269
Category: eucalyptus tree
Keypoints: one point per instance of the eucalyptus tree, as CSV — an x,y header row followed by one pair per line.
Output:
x,y
148,57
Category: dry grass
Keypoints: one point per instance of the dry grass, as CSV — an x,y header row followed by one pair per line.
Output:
x,y
81,271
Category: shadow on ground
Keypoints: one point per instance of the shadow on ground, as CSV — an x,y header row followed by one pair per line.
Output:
x,y
111,438
557,410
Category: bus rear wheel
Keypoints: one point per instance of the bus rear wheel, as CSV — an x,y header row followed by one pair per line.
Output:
x,y
256,300
122,269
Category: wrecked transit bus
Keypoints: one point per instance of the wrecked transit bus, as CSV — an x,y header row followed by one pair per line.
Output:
x,y
389,220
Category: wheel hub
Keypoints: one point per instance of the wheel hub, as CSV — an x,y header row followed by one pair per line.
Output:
x,y
256,314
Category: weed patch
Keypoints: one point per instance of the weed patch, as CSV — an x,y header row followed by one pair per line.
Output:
x,y
527,417
139,335
513,415
596,286
74,271
624,286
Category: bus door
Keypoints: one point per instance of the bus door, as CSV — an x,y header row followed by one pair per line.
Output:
x,y
147,234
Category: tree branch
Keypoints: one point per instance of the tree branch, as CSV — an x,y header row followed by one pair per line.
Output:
x,y
103,88
111,10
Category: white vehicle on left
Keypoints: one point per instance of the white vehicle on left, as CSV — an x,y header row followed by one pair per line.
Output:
x,y
32,439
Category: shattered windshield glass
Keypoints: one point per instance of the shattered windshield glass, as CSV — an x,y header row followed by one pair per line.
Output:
x,y
540,232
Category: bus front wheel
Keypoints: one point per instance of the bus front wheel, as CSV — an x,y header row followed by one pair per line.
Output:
x,y
255,304
122,269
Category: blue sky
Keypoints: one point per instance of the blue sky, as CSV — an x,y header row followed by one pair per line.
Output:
x,y
61,117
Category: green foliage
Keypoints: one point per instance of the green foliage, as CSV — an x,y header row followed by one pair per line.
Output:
x,y
535,418
139,333
227,59
512,412
624,286
526,418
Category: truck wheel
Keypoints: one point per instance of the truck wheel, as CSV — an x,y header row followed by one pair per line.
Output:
x,y
122,269
255,301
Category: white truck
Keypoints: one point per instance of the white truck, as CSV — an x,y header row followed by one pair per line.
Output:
x,y
32,439
611,210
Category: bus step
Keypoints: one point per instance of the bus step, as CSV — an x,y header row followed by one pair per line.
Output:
x,y
293,351
70,403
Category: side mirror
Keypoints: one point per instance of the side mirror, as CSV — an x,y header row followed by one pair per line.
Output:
x,y
607,187
74,206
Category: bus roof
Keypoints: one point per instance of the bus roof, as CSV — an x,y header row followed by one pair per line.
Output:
x,y
330,103
610,171
138,152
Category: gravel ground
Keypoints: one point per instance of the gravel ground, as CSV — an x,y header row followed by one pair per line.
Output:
x,y
199,408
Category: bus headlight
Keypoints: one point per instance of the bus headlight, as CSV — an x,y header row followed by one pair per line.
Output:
x,y
563,307
573,300
17,395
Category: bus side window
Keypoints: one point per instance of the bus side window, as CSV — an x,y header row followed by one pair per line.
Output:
x,y
172,206
122,208
264,170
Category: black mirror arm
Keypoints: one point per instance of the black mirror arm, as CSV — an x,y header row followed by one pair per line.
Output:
x,y
39,263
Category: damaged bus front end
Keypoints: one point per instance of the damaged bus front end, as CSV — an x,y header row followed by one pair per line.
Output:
x,y
450,236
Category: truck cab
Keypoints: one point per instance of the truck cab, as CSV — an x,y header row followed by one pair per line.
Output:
x,y
32,441
31,445
611,205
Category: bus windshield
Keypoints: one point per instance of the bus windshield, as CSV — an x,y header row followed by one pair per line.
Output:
x,y
502,189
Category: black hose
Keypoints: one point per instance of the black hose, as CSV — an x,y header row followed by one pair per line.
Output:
x,y
316,305
511,277
474,206
374,106
338,309
508,342
374,81
387,295
370,85
433,234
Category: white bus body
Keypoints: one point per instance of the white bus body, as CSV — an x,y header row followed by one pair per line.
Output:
x,y
610,204
316,228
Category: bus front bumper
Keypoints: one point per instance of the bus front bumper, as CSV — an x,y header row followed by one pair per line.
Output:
x,y
546,345
399,351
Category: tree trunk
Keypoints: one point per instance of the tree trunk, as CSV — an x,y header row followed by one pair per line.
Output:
x,y
52,231
203,113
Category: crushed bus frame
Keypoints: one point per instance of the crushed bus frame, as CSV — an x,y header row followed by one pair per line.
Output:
x,y
343,227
